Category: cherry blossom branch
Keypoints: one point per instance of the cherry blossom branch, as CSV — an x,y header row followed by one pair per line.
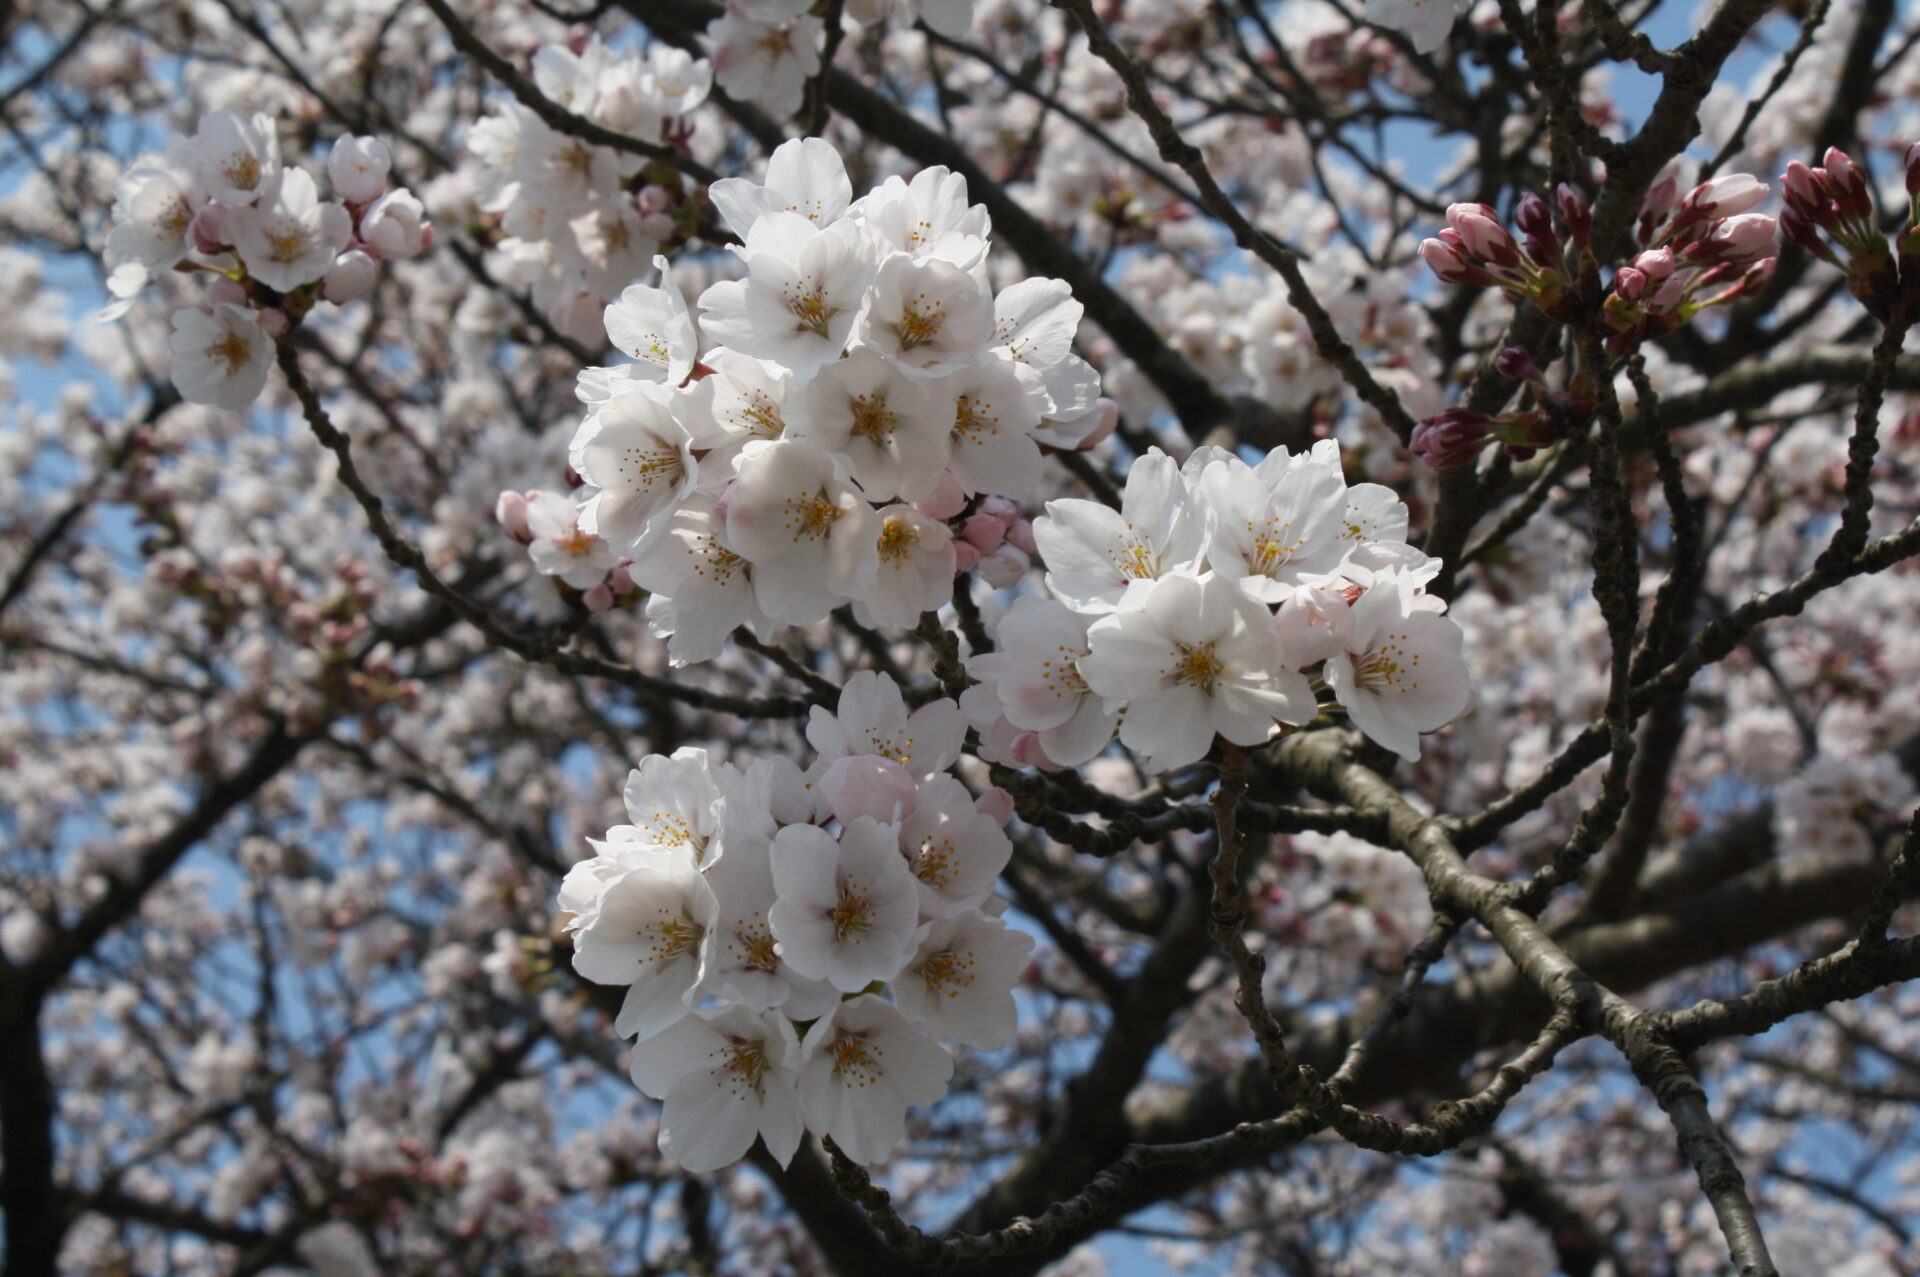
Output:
x,y
551,112
542,650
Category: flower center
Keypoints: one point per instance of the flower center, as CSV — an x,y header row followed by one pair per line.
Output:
x,y
811,309
897,539
287,243
754,944
856,1061
745,1067
672,935
1134,557
920,322
852,912
760,417
1062,676
242,170
971,419
1197,666
873,421
1272,545
950,971
1389,667
647,466
231,350
933,863
811,518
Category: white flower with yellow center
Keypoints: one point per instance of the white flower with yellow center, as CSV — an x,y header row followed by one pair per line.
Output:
x,y
233,156
861,1067
654,326
699,590
1271,525
1099,559
636,451
883,422
872,718
647,934
804,176
954,850
289,237
928,317
809,534
1197,659
803,292
1401,673
1034,675
960,981
917,564
726,1077
739,961
845,910
220,356
990,423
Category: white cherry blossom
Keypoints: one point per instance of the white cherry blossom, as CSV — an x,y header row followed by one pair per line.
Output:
x,y
872,718
804,176
1099,559
863,1064
637,453
220,356
803,292
1401,673
960,981
845,909
289,237
1196,659
726,1077
809,534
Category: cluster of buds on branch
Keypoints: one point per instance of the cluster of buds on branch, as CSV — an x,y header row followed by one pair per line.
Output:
x,y
1836,199
1707,249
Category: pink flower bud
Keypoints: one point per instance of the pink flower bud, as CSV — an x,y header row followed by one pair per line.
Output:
x,y
657,226
983,532
1913,169
1020,536
211,229
1000,508
620,578
1667,298
996,804
1629,284
1658,201
1802,187
228,291
1444,260
966,557
1744,238
1450,439
946,500
511,513
1656,264
1516,364
868,785
1575,213
273,322
1004,567
1532,216
358,167
1726,196
1026,752
395,226
1841,167
352,275
598,599
652,199
1485,238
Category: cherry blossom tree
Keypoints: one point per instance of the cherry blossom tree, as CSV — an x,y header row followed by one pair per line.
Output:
x,y
1004,636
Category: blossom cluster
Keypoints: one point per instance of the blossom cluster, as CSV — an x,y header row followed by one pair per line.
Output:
x,y
1834,202
765,51
832,428
223,202
572,221
1706,249
790,940
1198,607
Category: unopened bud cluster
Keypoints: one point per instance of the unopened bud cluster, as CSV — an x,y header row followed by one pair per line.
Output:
x,y
1830,213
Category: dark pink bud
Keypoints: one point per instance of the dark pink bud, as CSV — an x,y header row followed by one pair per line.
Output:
x,y
1486,239
1451,439
1803,188
1532,215
1516,364
1574,213
1913,169
1629,284
1656,264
